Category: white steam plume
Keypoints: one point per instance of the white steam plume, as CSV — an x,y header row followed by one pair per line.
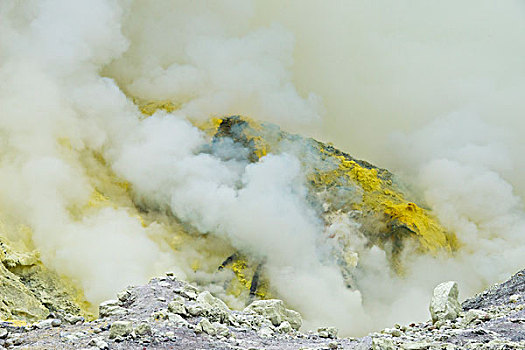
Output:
x,y
69,68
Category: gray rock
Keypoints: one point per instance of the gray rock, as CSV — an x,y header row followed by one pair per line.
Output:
x,y
265,332
44,324
3,333
99,343
474,314
188,291
221,329
205,326
74,319
333,345
383,344
170,334
125,296
120,329
284,327
392,331
143,329
213,308
177,307
195,309
111,308
327,332
416,346
275,311
177,320
444,304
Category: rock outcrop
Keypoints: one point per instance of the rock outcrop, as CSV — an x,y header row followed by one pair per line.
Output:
x,y
29,291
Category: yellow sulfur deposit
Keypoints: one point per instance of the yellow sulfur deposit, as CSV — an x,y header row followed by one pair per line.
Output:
x,y
30,291
385,203
350,187
343,185
149,108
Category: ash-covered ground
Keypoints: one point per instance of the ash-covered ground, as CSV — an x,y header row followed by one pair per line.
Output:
x,y
171,314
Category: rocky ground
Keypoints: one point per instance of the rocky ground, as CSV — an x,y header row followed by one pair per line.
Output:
x,y
170,314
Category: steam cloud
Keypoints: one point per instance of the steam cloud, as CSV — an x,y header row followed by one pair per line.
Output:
x,y
70,68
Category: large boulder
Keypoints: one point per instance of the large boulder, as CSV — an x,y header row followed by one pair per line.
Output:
x,y
274,311
444,304
213,308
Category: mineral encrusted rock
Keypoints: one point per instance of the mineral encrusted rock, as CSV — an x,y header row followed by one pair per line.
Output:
x,y
120,329
444,305
275,312
111,308
177,307
213,308
29,290
205,326
327,332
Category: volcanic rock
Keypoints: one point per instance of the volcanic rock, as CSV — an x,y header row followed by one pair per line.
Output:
x,y
444,304
275,312
120,329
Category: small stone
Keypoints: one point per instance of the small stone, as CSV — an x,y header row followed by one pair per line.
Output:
x,y
143,329
383,344
44,324
170,334
284,327
393,332
160,315
333,345
188,291
120,329
222,330
265,332
99,343
17,341
473,315
177,320
439,324
205,326
125,296
56,322
74,319
444,304
195,309
514,298
3,333
416,346
177,307
327,332
111,308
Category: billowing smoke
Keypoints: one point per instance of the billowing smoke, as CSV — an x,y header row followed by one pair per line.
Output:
x,y
71,71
